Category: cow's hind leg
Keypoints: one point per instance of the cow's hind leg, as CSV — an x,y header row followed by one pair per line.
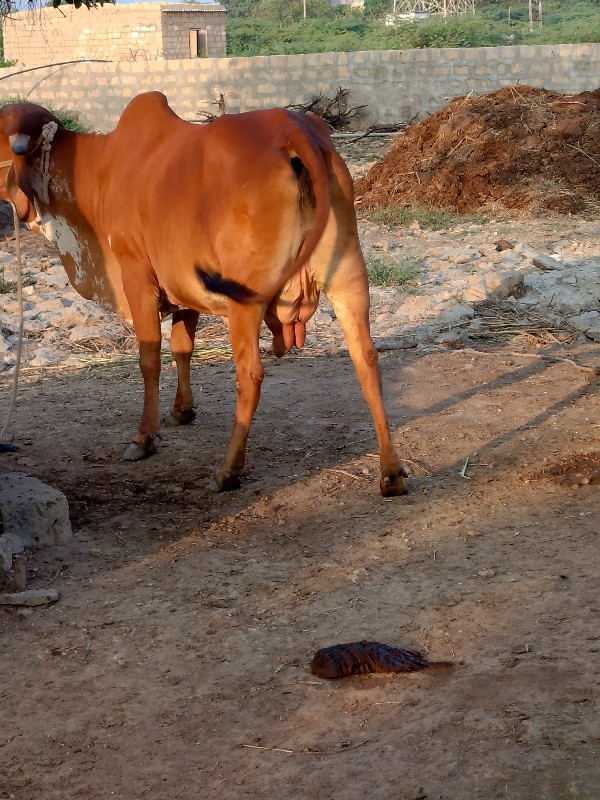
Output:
x,y
350,299
183,333
143,303
244,325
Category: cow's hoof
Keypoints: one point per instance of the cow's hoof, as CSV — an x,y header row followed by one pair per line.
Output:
x,y
224,483
136,452
184,416
393,485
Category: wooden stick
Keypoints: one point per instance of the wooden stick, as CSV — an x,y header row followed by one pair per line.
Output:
x,y
275,749
349,474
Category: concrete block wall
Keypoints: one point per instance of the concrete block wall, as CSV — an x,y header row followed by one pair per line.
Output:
x,y
121,32
177,22
394,85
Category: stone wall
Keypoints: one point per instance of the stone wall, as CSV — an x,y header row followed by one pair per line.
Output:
x,y
121,32
394,85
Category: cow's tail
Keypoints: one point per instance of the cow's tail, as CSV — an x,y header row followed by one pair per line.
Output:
x,y
316,191
307,158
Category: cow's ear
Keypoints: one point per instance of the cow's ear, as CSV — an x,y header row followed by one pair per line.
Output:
x,y
25,209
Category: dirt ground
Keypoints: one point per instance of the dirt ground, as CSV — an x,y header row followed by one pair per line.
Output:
x,y
175,663
516,148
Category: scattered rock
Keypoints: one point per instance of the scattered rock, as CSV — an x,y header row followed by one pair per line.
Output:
x,y
520,649
43,358
546,262
486,573
453,338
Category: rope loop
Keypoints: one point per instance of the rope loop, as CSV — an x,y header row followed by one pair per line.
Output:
x,y
46,138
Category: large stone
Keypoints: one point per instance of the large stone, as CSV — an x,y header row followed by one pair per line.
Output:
x,y
509,284
43,357
547,262
465,255
54,304
593,333
477,290
456,314
585,320
5,345
84,333
32,514
509,257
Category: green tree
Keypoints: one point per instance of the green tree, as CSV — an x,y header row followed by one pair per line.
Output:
x,y
240,9
293,10
376,9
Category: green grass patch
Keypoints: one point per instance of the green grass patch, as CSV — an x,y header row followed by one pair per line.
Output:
x,y
70,119
7,286
429,218
384,271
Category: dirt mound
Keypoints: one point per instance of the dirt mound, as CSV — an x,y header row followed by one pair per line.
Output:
x,y
574,470
518,148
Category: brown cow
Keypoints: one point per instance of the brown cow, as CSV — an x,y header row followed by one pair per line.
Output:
x,y
248,217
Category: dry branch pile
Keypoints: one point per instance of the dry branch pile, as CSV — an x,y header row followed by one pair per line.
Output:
x,y
499,320
333,110
518,147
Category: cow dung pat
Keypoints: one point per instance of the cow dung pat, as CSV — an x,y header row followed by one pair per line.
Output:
x,y
361,658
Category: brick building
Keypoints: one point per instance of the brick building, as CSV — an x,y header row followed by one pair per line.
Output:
x,y
121,32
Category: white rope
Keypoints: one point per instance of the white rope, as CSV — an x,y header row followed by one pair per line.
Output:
x,y
15,388
45,140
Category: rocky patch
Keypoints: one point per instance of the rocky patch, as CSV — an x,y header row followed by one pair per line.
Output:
x,y
551,271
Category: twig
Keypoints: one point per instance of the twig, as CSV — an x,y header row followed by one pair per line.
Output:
x,y
349,474
385,129
587,155
390,703
342,749
406,461
43,586
418,466
463,472
307,751
58,64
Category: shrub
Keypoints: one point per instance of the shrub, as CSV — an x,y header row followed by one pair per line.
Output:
x,y
384,271
70,119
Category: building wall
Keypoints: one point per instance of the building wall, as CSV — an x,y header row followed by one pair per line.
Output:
x,y
177,22
394,85
121,32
